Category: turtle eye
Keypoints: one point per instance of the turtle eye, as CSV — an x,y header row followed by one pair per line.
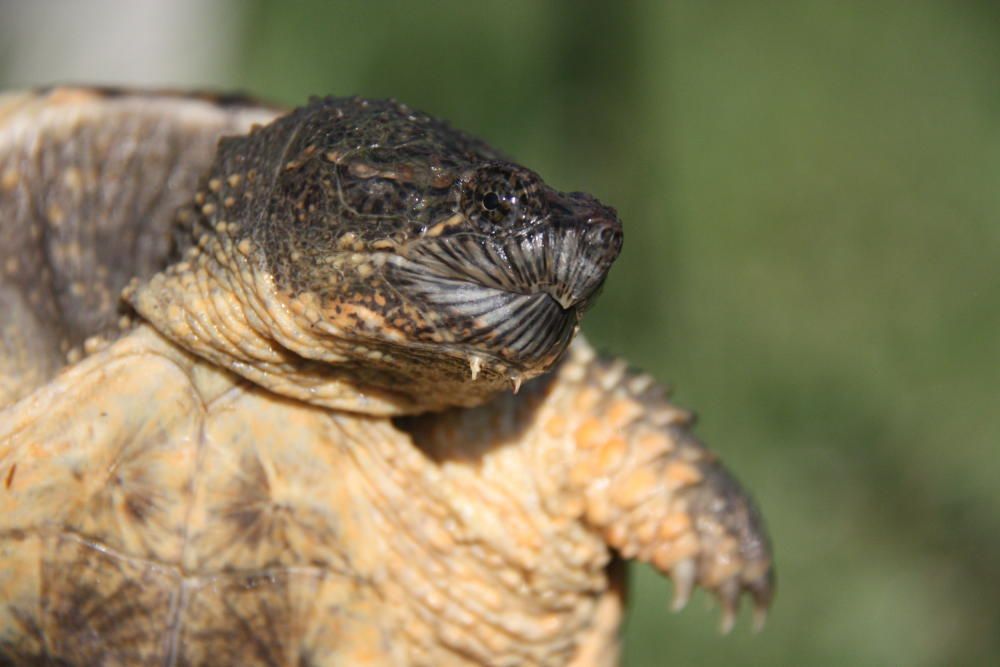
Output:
x,y
497,206
491,201
499,196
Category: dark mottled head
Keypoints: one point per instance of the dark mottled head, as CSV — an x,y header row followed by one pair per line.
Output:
x,y
416,258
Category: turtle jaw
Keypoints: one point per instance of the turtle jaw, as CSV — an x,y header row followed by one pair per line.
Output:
x,y
474,316
516,296
528,332
581,240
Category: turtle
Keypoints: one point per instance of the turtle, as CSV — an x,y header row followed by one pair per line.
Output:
x,y
305,387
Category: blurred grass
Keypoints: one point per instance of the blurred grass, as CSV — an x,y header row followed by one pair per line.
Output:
x,y
812,247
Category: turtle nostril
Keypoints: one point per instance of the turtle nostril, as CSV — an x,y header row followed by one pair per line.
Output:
x,y
606,234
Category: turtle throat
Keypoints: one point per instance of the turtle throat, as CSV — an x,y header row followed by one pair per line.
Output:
x,y
218,304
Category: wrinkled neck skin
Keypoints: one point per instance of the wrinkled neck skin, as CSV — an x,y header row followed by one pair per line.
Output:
x,y
219,304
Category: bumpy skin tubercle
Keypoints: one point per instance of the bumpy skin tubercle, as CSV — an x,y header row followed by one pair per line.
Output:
x,y
659,495
608,452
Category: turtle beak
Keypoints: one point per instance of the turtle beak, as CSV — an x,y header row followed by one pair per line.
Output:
x,y
588,240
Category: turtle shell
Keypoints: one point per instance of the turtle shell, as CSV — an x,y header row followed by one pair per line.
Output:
x,y
90,180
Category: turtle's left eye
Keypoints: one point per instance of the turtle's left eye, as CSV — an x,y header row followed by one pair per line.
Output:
x,y
491,201
497,206
498,196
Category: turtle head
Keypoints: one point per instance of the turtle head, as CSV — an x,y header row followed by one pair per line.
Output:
x,y
378,248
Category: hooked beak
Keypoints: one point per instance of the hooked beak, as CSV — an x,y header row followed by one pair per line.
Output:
x,y
591,238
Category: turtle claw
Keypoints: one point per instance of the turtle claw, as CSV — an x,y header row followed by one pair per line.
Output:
x,y
762,592
730,593
683,574
729,597
759,617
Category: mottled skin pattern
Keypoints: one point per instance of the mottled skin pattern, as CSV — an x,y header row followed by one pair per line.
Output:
x,y
301,447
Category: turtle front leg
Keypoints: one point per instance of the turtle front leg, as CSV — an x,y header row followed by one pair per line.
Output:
x,y
654,491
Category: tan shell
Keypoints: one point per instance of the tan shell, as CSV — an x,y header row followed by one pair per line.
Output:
x,y
157,510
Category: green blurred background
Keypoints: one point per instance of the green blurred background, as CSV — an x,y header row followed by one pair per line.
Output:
x,y
812,217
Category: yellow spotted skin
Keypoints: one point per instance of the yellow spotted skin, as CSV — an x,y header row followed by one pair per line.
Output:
x,y
179,488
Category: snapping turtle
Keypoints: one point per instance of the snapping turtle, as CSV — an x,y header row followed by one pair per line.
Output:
x,y
298,437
